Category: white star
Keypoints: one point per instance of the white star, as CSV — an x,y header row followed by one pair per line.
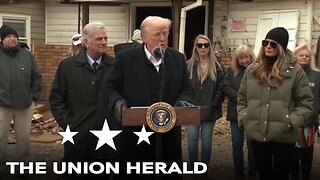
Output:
x,y
105,135
67,135
143,135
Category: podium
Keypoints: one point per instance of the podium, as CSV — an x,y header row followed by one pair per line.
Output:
x,y
137,116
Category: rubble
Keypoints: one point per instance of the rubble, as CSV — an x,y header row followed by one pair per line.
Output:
x,y
43,121
44,127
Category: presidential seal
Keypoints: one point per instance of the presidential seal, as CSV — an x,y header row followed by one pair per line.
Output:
x,y
161,117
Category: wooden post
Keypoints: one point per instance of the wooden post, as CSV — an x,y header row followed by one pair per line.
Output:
x,y
176,11
85,14
211,19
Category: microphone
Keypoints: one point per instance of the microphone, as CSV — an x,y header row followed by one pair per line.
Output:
x,y
158,52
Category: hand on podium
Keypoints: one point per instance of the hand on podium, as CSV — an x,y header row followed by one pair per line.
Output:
x,y
184,104
118,106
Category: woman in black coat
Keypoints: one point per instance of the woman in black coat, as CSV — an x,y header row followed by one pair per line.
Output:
x,y
303,151
243,56
206,74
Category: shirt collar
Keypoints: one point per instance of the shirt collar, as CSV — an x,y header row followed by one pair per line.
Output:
x,y
91,61
151,58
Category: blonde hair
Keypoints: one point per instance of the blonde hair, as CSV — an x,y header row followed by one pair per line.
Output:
x,y
194,60
262,72
242,50
312,62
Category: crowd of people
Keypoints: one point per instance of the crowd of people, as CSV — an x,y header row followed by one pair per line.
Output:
x,y
273,100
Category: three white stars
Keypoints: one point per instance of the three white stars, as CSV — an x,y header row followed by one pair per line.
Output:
x,y
105,135
143,135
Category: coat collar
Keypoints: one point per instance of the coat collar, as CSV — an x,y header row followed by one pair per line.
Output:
x,y
288,65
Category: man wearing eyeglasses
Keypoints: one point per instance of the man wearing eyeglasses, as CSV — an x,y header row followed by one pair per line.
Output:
x,y
141,78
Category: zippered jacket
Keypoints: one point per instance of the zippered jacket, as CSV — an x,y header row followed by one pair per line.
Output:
x,y
275,114
21,80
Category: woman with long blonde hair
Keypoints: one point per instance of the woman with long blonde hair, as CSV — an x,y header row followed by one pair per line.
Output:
x,y
242,58
274,100
206,74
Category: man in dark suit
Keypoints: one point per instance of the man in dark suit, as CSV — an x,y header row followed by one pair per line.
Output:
x,y
138,79
75,96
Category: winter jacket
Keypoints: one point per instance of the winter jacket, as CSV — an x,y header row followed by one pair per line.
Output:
x,y
230,87
208,95
76,94
21,80
275,114
314,84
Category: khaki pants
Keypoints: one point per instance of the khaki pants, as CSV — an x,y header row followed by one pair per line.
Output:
x,y
22,123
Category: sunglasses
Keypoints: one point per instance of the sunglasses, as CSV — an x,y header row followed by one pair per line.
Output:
x,y
202,45
265,43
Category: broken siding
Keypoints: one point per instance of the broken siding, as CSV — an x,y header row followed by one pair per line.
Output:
x,y
36,11
62,22
315,25
241,10
219,12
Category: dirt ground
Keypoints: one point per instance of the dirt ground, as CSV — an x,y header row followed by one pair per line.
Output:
x,y
221,166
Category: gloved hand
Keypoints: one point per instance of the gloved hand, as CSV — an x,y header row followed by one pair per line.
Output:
x,y
184,104
118,106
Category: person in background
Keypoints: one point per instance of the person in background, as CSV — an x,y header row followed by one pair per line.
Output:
x,y
75,97
76,45
307,135
138,79
136,37
206,74
135,41
242,58
20,85
274,101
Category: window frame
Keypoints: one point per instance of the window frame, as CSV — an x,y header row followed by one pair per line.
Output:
x,y
19,17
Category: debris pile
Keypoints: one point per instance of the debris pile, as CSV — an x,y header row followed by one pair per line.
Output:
x,y
43,122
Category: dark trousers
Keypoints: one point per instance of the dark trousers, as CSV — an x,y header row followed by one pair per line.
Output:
x,y
273,159
301,163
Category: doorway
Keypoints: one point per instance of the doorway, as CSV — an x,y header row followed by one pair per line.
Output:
x,y
143,12
195,23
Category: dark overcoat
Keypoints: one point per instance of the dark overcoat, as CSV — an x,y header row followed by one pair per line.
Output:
x,y
129,80
76,100
209,94
314,84
231,85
